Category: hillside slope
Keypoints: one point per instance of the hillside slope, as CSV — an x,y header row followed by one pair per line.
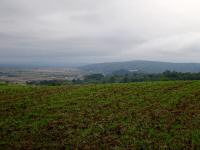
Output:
x,y
142,66
149,115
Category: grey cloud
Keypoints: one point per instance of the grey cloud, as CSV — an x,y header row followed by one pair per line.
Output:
x,y
101,30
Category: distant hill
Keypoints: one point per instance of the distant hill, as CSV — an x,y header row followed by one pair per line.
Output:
x,y
141,66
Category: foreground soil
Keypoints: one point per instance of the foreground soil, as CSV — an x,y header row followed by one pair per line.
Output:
x,y
148,115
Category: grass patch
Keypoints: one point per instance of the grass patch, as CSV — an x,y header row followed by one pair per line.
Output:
x,y
148,115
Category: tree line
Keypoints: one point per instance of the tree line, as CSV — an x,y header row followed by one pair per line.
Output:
x,y
125,77
139,77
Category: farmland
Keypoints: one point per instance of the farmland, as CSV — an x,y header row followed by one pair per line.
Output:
x,y
22,75
146,115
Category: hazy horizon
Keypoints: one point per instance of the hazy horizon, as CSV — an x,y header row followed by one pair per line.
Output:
x,y
79,32
78,65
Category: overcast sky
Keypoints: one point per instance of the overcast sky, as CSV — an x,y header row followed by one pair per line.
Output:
x,y
87,31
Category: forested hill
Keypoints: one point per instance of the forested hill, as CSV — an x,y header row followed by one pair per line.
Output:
x,y
142,66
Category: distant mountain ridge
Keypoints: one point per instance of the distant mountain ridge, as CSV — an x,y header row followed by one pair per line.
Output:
x,y
141,66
